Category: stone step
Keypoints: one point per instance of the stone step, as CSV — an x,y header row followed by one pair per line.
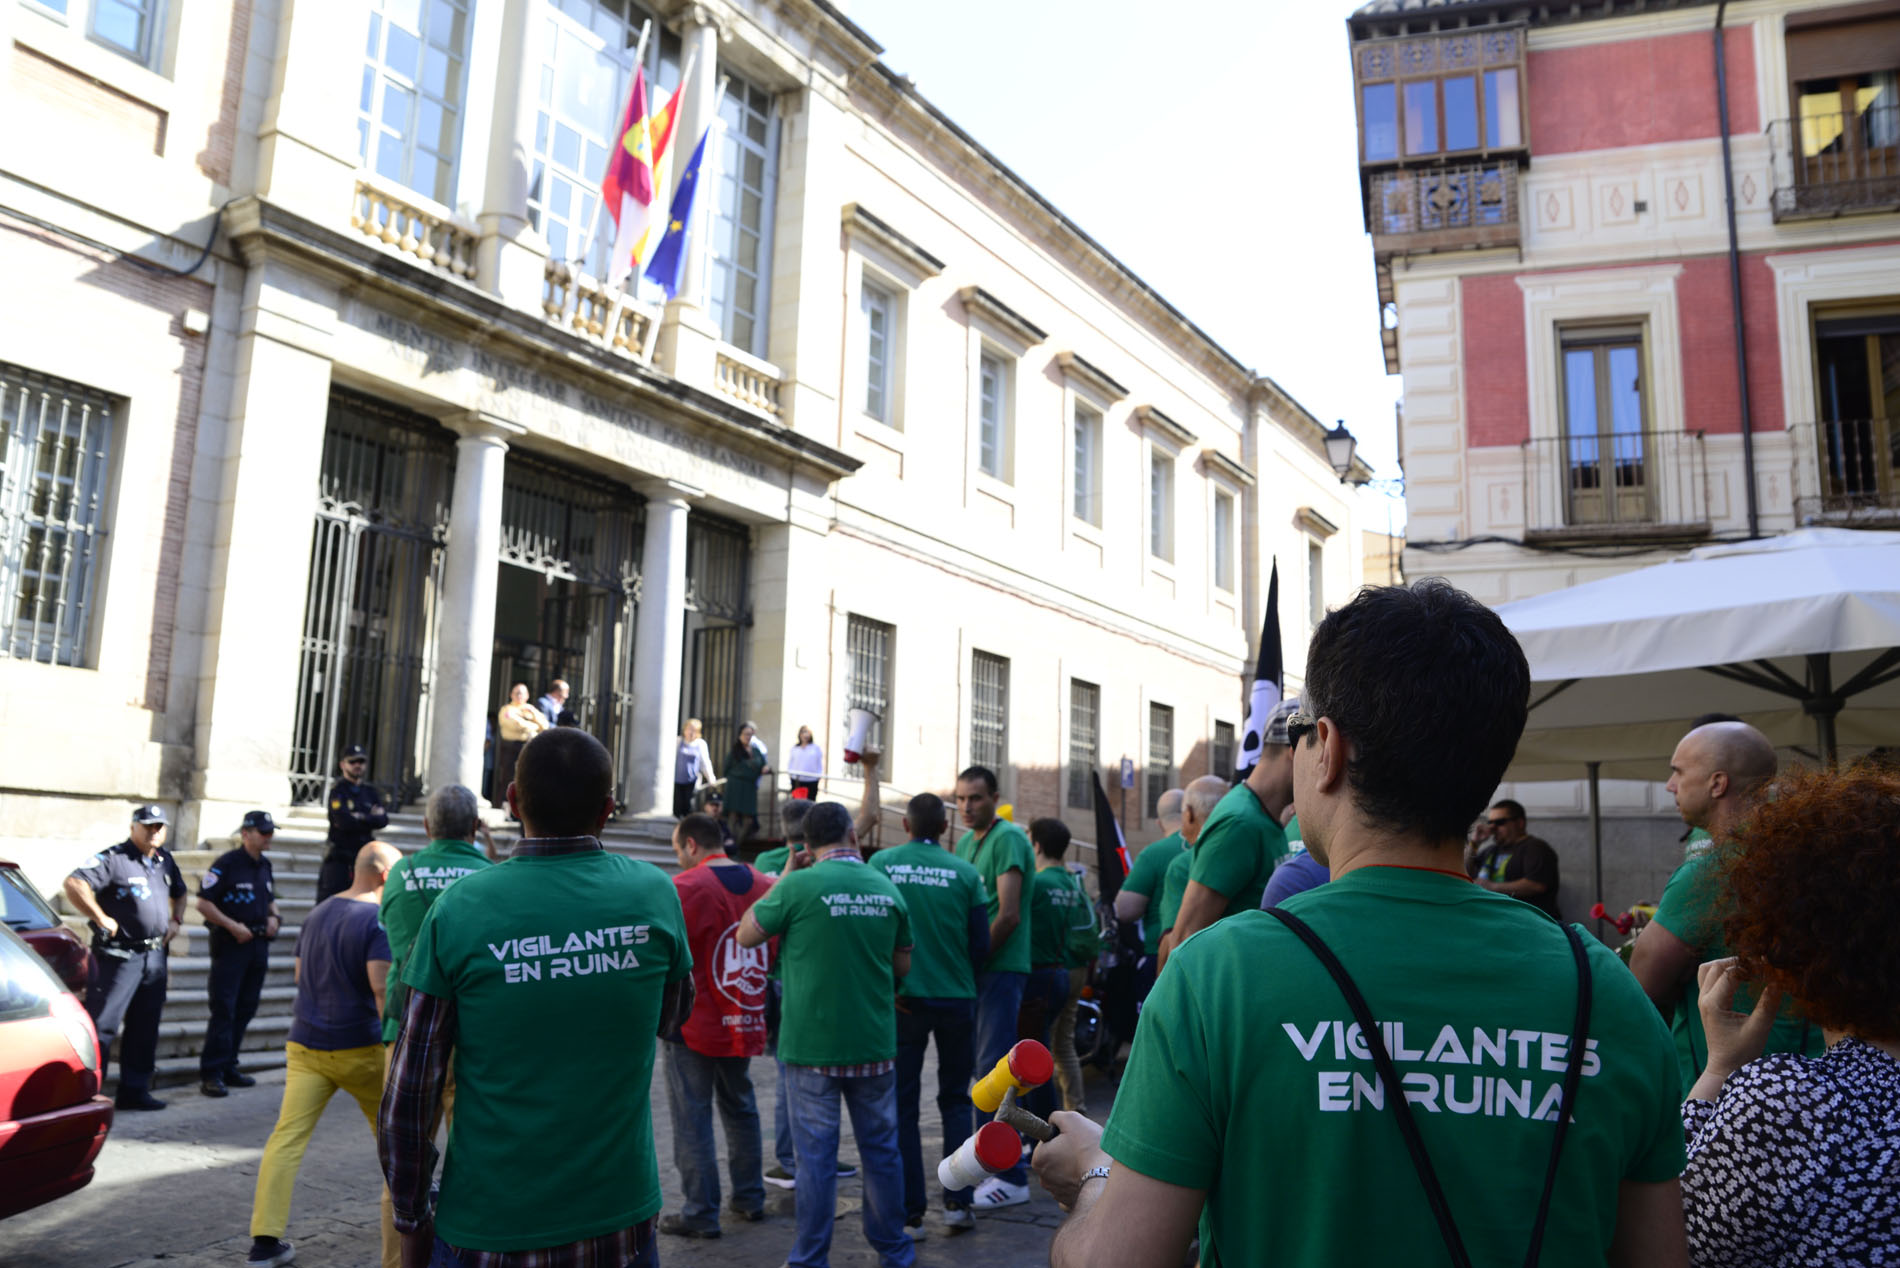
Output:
x,y
180,1072
193,972
194,1005
185,1038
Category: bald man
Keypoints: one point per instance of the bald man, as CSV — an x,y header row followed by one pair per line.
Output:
x,y
1716,775
1203,797
336,1038
1143,886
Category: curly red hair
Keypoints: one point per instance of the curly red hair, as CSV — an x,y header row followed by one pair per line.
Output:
x,y
1815,875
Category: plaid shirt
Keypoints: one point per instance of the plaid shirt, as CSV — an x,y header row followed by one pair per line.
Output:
x,y
418,1072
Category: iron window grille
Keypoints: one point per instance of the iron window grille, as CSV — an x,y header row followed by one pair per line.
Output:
x,y
1160,755
989,710
1223,754
1085,708
55,450
868,677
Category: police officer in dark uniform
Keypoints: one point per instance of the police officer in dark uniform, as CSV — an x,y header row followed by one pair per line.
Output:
x,y
239,904
135,898
356,812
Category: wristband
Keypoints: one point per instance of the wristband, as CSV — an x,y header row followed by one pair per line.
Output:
x,y
1093,1173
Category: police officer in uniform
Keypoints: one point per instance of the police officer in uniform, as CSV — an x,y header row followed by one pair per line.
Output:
x,y
135,898
239,904
356,812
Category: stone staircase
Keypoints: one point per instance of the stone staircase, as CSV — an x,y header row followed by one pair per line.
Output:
x,y
296,854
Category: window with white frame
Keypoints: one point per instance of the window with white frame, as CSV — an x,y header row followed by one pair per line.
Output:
x,y
1315,583
868,675
1086,504
1161,505
989,710
1224,541
1221,752
132,28
994,375
740,259
1085,711
586,72
409,113
55,451
1160,756
878,308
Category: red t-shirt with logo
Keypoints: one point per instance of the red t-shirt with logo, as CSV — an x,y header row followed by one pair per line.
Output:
x,y
728,980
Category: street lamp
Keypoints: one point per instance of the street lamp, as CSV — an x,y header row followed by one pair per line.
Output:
x,y
1340,444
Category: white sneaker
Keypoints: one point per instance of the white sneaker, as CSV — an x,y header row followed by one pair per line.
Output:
x,y
957,1219
916,1232
997,1192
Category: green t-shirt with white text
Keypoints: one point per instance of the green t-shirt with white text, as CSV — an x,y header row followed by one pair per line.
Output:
x,y
557,966
1694,907
1173,890
839,923
411,889
1249,1079
1005,849
1238,849
1146,878
940,891
771,862
1058,905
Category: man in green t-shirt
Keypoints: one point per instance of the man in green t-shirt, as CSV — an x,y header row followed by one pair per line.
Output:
x,y
1136,900
844,945
1001,853
950,938
1253,1104
1058,910
548,979
1203,798
452,819
1716,774
1242,842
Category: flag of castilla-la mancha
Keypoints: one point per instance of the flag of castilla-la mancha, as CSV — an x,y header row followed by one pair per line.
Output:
x,y
630,189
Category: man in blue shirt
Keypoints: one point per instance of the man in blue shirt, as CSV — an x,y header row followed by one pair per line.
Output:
x,y
135,898
336,1038
239,904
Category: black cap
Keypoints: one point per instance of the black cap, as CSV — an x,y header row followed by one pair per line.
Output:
x,y
355,750
260,821
150,813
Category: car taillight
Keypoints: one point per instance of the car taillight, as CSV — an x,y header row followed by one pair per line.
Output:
x,y
76,1025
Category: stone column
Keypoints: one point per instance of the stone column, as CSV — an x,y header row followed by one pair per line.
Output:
x,y
659,640
510,259
465,642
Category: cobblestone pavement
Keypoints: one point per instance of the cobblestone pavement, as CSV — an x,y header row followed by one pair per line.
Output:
x,y
173,1190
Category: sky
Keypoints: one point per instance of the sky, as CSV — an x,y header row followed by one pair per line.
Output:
x,y
1211,148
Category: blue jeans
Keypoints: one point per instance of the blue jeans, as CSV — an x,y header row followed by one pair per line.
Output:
x,y
694,1083
999,997
953,1022
646,1254
1047,992
782,1149
872,1104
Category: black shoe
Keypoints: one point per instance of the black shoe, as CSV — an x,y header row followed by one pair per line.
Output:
x,y
846,1171
678,1227
136,1099
269,1252
213,1086
750,1217
237,1078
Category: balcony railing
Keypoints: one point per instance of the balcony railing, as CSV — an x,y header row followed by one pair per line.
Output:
x,y
1835,164
1438,208
1625,485
747,380
591,309
408,224
1853,472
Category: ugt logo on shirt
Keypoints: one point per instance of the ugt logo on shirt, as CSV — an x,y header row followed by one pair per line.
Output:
x,y
738,973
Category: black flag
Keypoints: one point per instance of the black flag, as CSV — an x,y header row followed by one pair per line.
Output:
x,y
1268,681
1111,852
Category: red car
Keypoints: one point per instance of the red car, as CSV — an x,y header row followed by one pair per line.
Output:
x,y
52,1119
33,918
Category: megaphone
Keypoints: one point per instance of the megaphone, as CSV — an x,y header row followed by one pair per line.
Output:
x,y
857,734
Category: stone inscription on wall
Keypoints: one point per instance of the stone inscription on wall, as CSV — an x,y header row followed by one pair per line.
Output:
x,y
520,392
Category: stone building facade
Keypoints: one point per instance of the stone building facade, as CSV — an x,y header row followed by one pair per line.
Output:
x,y
320,429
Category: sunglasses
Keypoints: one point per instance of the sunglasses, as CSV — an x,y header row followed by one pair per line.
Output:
x,y
1298,727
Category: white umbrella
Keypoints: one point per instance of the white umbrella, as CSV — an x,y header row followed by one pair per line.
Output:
x,y
1799,634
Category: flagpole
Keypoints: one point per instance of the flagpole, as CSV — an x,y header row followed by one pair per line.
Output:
x,y
695,283
575,264
616,294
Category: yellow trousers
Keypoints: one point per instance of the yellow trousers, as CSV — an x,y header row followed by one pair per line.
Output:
x,y
392,1240
313,1077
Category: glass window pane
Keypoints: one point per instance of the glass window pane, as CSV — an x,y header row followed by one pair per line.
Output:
x,y
375,33
436,70
1501,120
396,104
404,13
1580,404
989,415
122,25
1461,113
404,56
369,90
1421,117
1382,122
389,152
567,147
1626,390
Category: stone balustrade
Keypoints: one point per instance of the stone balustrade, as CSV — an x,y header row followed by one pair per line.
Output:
x,y
746,379
587,306
410,226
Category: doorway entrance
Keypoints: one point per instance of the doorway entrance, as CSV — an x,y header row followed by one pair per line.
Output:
x,y
1857,359
718,616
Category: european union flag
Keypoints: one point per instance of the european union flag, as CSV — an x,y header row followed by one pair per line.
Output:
x,y
670,256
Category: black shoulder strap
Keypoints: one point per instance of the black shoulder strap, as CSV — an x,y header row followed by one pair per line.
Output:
x,y
1402,1109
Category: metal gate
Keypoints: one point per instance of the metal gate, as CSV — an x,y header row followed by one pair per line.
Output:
x,y
581,537
370,609
718,613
